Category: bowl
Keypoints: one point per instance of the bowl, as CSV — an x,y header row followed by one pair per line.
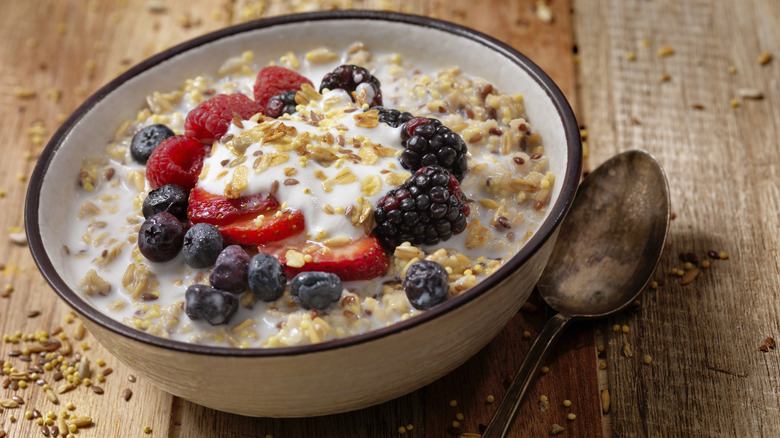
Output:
x,y
333,376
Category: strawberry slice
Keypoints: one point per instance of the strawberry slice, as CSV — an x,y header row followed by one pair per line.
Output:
x,y
362,259
219,210
274,226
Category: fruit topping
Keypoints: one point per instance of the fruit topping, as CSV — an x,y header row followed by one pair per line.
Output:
x,y
211,119
230,270
354,79
220,210
429,143
283,103
392,117
210,304
274,80
146,140
266,277
161,237
170,197
426,284
427,208
202,245
315,290
271,227
177,160
362,259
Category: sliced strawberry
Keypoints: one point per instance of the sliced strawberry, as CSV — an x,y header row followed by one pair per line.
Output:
x,y
219,210
362,259
272,228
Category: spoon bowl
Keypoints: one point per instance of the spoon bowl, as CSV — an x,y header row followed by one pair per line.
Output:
x,y
611,239
608,247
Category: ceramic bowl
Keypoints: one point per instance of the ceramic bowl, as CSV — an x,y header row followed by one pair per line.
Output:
x,y
333,376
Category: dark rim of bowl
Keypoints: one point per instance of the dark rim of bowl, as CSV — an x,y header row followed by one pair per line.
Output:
x,y
545,231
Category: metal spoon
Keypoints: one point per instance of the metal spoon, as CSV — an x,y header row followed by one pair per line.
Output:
x,y
608,247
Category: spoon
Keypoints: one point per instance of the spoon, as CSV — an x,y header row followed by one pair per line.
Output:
x,y
608,247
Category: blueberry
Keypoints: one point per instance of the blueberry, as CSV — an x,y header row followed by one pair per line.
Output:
x,y
146,140
213,305
426,284
202,245
161,237
266,277
170,197
315,290
230,270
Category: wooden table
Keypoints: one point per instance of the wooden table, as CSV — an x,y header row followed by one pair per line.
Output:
x,y
679,79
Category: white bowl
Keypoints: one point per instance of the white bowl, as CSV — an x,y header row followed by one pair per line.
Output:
x,y
333,376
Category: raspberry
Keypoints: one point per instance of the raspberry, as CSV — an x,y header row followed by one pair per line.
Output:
x,y
177,160
427,208
275,80
211,119
428,142
349,78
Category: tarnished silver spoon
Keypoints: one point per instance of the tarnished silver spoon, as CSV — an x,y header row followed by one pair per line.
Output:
x,y
608,247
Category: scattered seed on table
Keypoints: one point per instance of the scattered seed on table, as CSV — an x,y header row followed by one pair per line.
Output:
x,y
97,390
131,378
647,359
126,394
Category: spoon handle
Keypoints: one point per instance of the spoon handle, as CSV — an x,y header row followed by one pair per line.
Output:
x,y
507,409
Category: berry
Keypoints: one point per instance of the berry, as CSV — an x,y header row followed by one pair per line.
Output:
x,y
281,104
427,208
219,210
426,284
349,78
177,160
170,197
211,119
146,140
362,259
230,270
274,80
213,305
160,237
202,245
430,143
392,117
266,277
272,228
315,290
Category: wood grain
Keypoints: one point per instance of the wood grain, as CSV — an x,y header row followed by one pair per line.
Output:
x,y
64,50
707,376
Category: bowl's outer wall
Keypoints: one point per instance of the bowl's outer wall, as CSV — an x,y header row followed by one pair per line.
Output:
x,y
294,386
310,380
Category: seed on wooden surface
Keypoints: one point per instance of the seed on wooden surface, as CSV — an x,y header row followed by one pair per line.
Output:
x,y
605,401
647,359
108,371
770,342
763,348
556,429
126,394
97,390
33,313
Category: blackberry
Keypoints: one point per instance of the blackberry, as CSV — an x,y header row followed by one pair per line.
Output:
x,y
161,237
426,284
349,78
281,104
147,139
171,198
427,208
427,142
392,117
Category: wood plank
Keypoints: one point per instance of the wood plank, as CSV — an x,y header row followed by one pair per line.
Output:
x,y
707,376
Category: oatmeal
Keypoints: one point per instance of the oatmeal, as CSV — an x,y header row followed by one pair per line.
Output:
x,y
261,208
